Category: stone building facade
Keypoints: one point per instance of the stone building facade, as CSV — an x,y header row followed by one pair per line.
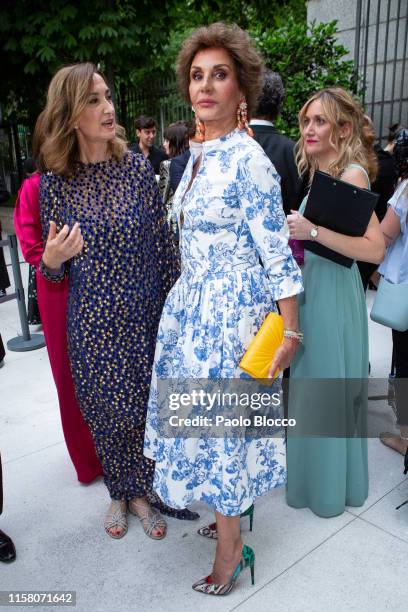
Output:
x,y
375,32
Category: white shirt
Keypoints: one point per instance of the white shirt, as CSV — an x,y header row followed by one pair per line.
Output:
x,y
260,122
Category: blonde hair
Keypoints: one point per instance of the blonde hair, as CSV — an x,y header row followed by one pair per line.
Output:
x,y
339,108
66,100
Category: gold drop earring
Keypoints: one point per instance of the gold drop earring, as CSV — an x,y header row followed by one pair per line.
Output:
x,y
242,117
199,127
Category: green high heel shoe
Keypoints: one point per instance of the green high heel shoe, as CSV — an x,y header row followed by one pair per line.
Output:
x,y
210,531
208,587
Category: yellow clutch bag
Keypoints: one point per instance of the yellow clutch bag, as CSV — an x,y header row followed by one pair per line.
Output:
x,y
260,353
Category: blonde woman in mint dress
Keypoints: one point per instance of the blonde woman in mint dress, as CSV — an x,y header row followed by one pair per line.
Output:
x,y
329,473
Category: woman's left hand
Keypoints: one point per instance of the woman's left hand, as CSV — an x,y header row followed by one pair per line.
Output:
x,y
283,356
299,227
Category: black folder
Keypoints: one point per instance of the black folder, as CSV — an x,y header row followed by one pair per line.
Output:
x,y
338,206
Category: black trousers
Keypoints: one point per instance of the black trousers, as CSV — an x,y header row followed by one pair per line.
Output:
x,y
366,270
400,343
33,312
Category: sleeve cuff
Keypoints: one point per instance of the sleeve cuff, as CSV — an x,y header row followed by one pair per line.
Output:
x,y
287,278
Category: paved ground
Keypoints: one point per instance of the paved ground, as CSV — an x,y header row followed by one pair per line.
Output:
x,y
357,561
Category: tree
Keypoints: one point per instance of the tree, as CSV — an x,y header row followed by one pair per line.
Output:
x,y
308,58
131,41
188,15
115,34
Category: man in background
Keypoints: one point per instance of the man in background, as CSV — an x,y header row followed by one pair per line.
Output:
x,y
277,147
179,163
280,151
146,134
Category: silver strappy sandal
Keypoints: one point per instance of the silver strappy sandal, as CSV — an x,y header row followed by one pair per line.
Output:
x,y
150,518
117,519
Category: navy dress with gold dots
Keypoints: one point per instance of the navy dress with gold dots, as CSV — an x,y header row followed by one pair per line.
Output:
x,y
117,287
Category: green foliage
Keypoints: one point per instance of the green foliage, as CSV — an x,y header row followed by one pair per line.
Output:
x,y
191,14
41,37
309,58
136,43
131,41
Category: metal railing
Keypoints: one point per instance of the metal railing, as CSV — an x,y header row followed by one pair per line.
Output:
x,y
380,57
14,149
27,341
160,100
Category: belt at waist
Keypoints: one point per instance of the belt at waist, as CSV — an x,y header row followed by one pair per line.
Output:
x,y
203,270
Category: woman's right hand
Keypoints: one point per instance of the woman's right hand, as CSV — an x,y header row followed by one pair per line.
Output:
x,y
284,356
62,246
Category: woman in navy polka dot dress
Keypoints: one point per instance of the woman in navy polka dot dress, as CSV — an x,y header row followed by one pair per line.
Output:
x,y
104,226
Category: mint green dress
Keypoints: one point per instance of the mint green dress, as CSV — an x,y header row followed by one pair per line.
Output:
x,y
326,474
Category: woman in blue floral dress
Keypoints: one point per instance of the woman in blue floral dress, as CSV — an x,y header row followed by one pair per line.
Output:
x,y
230,216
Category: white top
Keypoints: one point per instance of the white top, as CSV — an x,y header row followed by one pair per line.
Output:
x,y
395,265
260,122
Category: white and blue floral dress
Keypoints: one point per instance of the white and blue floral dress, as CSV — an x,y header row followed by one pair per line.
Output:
x,y
230,219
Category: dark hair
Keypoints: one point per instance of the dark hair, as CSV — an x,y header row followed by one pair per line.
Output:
x,y
401,153
144,123
191,128
270,100
393,131
38,138
238,44
32,163
177,134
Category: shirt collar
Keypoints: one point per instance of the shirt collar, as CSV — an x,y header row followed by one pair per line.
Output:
x,y
260,122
